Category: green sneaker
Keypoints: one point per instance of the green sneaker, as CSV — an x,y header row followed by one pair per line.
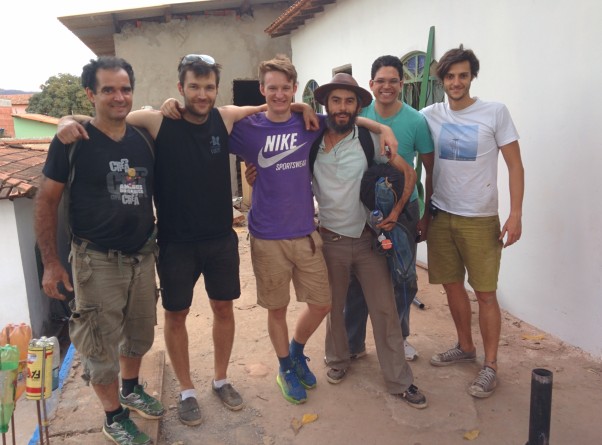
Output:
x,y
123,431
145,405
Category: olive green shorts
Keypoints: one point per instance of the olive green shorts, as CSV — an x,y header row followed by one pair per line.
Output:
x,y
114,312
460,244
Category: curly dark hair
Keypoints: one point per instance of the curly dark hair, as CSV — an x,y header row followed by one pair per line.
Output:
x,y
105,63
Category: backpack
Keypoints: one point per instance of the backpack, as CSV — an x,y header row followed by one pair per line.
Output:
x,y
381,187
365,140
401,256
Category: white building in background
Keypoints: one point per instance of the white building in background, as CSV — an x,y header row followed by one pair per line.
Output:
x,y
543,60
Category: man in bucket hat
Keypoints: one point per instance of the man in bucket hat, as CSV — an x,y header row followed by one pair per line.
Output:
x,y
348,242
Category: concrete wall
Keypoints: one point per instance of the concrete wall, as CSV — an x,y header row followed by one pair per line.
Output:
x,y
155,49
542,59
14,304
38,302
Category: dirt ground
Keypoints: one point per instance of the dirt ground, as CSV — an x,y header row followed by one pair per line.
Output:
x,y
359,410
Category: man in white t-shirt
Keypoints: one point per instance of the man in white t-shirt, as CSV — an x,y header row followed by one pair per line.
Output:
x,y
464,234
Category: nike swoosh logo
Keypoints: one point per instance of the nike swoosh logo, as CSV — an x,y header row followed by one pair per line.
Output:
x,y
268,162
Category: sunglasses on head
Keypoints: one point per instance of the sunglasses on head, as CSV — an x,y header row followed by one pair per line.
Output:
x,y
192,58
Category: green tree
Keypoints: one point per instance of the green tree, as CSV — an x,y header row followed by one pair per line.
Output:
x,y
61,95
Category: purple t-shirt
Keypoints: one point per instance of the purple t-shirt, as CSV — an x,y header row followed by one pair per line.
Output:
x,y
282,203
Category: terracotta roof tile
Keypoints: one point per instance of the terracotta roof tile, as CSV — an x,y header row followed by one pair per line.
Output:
x,y
295,16
20,169
17,99
38,118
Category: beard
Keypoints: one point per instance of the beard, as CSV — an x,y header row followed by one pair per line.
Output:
x,y
192,110
331,122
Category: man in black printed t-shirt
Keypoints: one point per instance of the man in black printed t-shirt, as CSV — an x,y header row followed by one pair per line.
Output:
x,y
109,180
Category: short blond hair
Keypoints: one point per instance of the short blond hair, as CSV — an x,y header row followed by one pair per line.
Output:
x,y
279,63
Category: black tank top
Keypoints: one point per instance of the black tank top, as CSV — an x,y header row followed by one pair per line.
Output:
x,y
192,174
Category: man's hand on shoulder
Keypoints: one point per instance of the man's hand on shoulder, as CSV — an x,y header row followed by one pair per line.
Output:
x,y
173,109
312,123
70,130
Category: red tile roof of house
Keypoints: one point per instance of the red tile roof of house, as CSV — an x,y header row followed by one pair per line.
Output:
x,y
296,16
21,163
38,117
17,99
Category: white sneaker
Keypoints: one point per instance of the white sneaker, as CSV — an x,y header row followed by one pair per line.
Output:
x,y
411,353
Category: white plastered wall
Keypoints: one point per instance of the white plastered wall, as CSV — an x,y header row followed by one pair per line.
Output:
x,y
15,308
543,60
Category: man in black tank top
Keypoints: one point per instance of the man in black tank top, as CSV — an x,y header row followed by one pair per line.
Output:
x,y
109,181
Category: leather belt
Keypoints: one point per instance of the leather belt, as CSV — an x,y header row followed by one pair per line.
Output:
x,y
95,247
325,231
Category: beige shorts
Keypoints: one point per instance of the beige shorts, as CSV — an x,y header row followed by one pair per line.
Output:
x,y
276,262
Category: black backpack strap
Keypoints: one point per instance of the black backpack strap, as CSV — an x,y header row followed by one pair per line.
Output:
x,y
367,144
313,152
150,142
365,140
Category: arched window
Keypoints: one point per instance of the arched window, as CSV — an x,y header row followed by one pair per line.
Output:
x,y
308,96
413,71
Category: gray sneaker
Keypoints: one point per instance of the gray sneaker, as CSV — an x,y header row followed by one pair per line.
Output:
x,y
141,402
453,356
484,384
189,411
335,376
229,396
413,397
123,431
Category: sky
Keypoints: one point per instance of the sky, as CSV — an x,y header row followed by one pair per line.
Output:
x,y
36,46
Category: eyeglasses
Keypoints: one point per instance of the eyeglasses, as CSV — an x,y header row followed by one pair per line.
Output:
x,y
381,82
192,58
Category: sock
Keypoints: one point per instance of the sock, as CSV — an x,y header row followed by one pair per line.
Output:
x,y
187,393
111,414
217,384
285,363
127,386
296,349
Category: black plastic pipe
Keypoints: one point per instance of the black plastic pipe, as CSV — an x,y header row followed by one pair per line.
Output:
x,y
541,407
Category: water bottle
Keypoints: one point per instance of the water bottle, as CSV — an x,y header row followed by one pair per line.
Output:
x,y
18,335
53,401
9,364
376,217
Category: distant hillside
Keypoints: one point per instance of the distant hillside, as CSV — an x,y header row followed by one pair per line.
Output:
x,y
16,92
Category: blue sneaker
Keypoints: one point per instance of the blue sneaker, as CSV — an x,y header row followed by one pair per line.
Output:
x,y
291,387
306,377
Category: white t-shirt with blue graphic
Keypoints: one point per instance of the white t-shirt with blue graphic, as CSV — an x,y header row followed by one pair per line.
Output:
x,y
467,145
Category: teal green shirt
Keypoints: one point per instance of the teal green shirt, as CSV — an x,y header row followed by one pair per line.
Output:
x,y
411,131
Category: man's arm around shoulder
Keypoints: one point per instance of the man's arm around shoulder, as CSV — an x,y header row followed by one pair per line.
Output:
x,y
150,120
